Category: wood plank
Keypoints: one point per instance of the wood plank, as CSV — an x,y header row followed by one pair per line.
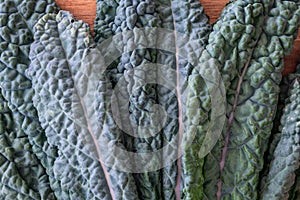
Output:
x,y
213,8
86,11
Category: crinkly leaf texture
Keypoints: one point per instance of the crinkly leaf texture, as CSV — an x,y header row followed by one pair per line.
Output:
x,y
286,156
22,174
180,19
16,29
248,44
66,110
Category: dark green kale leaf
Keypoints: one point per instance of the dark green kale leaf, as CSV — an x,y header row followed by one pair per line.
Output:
x,y
22,175
190,20
286,156
65,110
285,88
18,18
130,15
247,45
106,11
182,18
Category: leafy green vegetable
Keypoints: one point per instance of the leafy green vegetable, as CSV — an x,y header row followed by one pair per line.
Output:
x,y
285,87
196,110
130,15
57,57
106,12
16,27
22,175
186,18
62,137
247,44
281,176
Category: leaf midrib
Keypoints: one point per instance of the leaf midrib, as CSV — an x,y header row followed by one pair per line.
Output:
x,y
231,115
106,174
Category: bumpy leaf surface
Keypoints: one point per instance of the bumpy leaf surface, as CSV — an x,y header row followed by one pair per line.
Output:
x,y
183,17
57,53
281,176
22,175
247,44
106,11
17,20
285,91
285,88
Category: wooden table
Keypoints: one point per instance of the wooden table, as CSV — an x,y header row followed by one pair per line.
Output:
x,y
86,11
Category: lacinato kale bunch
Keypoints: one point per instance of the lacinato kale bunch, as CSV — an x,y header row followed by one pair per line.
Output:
x,y
159,104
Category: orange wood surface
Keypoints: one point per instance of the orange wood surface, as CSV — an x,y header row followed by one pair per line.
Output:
x,y
86,11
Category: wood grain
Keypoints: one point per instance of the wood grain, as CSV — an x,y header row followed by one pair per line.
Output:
x,y
86,10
